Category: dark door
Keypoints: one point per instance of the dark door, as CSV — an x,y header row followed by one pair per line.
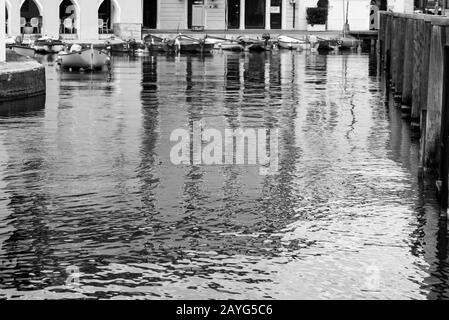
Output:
x,y
276,14
233,14
189,11
150,14
255,14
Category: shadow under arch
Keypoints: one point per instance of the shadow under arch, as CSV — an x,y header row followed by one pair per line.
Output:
x,y
113,10
77,13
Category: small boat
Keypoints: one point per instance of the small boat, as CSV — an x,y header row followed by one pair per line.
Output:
x,y
156,44
11,40
327,44
128,47
22,50
185,43
225,44
88,59
348,43
290,43
48,45
256,45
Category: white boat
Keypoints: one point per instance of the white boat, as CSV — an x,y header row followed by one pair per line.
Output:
x,y
290,43
22,50
10,41
88,59
224,44
348,43
48,45
184,43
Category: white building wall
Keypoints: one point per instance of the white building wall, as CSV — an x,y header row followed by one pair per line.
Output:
x,y
215,14
358,14
402,6
172,14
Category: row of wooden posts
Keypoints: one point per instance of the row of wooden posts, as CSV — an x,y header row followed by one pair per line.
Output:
x,y
414,54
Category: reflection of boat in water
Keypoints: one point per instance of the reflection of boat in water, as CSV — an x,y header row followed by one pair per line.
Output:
x,y
48,45
22,50
22,107
225,44
79,77
88,59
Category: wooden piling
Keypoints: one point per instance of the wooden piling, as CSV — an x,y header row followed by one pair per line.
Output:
x,y
434,96
407,85
400,41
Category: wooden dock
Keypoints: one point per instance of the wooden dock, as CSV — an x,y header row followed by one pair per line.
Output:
x,y
414,53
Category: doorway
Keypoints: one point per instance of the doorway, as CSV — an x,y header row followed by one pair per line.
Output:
x,y
150,14
233,14
190,5
255,14
276,14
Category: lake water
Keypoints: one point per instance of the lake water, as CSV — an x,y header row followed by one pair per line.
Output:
x,y
92,207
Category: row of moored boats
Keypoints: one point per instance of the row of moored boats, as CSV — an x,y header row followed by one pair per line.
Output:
x,y
97,56
185,43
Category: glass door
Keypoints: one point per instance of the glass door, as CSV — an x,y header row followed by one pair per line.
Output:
x,y
255,14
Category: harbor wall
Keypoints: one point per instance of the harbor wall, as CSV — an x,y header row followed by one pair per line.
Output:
x,y
21,78
414,56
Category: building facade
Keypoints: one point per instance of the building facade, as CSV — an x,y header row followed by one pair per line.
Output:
x,y
97,19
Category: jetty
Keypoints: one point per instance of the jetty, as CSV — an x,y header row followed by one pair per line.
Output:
x,y
414,55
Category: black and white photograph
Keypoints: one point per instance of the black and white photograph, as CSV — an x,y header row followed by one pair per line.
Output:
x,y
224,150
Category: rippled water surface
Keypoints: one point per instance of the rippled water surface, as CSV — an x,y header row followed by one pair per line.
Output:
x,y
86,182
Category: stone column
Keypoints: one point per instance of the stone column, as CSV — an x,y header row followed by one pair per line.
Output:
x,y
242,14
2,31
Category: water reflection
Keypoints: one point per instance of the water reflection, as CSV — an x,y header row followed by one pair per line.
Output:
x,y
88,182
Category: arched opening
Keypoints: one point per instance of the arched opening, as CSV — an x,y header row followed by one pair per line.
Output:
x,y
108,14
6,20
30,18
68,17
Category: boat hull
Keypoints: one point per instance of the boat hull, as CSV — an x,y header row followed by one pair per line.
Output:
x,y
196,47
46,48
348,44
231,46
294,45
22,50
87,59
160,47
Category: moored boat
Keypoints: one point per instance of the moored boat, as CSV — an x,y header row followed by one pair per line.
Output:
x,y
348,43
88,59
48,45
157,44
255,44
188,44
327,44
290,43
22,50
225,44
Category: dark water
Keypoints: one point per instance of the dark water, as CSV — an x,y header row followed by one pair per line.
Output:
x,y
86,182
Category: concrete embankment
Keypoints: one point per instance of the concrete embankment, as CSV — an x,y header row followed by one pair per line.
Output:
x,y
21,77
